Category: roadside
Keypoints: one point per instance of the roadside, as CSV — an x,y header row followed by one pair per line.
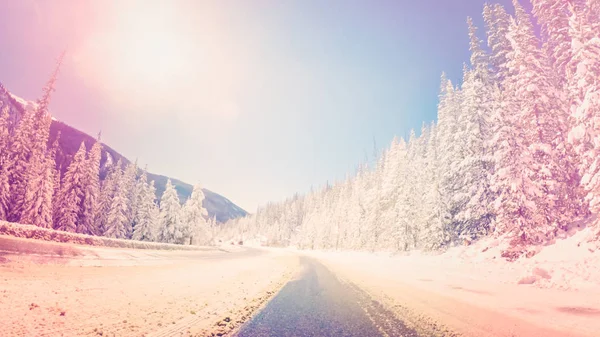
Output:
x,y
16,230
126,292
476,294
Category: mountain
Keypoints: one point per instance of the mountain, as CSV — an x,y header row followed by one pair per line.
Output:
x,y
70,138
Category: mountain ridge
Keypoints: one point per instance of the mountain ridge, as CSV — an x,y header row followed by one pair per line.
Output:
x,y
217,205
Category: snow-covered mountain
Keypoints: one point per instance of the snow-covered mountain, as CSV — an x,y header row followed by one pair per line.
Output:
x,y
70,139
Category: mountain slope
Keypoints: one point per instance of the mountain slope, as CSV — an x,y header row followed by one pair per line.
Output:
x,y
216,205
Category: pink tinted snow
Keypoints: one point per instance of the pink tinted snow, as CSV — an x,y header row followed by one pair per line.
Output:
x,y
475,292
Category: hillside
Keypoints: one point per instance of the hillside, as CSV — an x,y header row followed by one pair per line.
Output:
x,y
71,138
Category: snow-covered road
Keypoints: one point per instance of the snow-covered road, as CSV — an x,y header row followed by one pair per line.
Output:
x,y
53,289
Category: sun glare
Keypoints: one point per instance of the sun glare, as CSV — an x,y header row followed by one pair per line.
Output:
x,y
150,47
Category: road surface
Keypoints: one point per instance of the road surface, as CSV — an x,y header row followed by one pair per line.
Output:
x,y
318,304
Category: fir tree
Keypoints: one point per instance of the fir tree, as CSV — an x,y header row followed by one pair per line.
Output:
x,y
91,192
40,189
131,194
4,173
170,217
116,220
71,193
497,23
583,75
147,214
29,144
194,227
107,193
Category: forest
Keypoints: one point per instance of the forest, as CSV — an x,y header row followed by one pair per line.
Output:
x,y
123,205
514,152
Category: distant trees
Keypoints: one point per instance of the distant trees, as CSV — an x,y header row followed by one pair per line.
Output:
x,y
515,151
123,205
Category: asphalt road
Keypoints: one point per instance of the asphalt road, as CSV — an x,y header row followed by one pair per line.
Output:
x,y
318,304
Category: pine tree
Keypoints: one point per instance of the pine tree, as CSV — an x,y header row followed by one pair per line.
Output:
x,y
529,179
497,22
132,195
107,192
432,236
147,213
56,175
17,162
194,227
553,17
91,192
170,217
40,189
32,141
473,168
116,220
536,95
583,74
71,193
4,153
41,192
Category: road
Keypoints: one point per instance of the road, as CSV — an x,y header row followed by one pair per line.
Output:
x,y
56,289
317,304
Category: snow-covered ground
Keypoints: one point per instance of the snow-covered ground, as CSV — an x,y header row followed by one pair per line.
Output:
x,y
476,293
126,292
71,290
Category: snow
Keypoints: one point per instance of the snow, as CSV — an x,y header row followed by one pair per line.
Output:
x,y
472,290
123,292
28,105
30,231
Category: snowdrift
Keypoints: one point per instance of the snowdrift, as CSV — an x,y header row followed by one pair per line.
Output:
x,y
34,232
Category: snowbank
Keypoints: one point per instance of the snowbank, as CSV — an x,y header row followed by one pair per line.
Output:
x,y
189,297
34,232
474,291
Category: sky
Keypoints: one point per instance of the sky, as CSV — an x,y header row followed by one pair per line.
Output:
x,y
255,100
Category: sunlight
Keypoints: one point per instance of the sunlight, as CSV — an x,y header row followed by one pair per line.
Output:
x,y
149,57
149,47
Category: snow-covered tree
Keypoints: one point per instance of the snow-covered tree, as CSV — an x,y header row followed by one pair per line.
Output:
x,y
28,152
4,153
497,22
71,193
472,194
91,192
17,162
170,216
132,190
39,192
116,218
194,226
553,17
146,228
583,76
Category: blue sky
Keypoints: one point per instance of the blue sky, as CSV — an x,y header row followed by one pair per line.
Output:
x,y
256,100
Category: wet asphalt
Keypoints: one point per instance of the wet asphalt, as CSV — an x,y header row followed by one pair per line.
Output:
x,y
317,304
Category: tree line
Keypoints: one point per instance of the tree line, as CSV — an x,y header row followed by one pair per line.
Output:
x,y
514,151
33,190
